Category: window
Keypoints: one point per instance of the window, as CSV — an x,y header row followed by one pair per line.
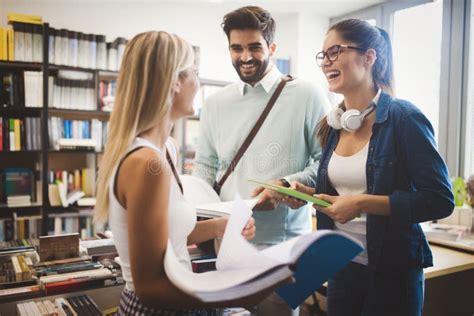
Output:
x,y
417,63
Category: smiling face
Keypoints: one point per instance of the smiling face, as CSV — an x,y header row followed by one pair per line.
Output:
x,y
350,70
250,54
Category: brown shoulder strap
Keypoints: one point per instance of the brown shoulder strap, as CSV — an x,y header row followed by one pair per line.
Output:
x,y
218,185
173,168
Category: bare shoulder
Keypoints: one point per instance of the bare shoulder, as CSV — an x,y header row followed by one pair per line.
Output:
x,y
140,171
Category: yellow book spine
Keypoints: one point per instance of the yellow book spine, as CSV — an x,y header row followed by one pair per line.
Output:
x,y
84,180
2,44
5,44
17,134
24,18
11,45
21,229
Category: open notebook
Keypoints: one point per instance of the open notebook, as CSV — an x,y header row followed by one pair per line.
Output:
x,y
242,270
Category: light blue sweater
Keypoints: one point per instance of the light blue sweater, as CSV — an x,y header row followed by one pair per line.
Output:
x,y
285,146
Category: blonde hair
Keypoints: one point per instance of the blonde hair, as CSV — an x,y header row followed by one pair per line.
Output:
x,y
151,65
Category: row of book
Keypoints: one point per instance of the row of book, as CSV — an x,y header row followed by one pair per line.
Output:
x,y
6,44
75,180
73,222
20,133
107,94
25,88
16,268
23,229
21,88
27,44
75,134
74,94
73,305
33,81
77,49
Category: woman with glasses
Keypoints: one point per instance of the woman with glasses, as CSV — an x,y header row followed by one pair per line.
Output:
x,y
382,173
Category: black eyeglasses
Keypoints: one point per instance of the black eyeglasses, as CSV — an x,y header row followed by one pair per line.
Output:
x,y
333,52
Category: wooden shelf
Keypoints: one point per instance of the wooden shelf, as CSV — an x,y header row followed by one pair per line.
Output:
x,y
19,152
62,112
67,209
20,110
73,151
53,67
107,74
4,206
20,65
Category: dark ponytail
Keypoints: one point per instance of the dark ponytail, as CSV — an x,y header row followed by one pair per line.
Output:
x,y
365,36
382,71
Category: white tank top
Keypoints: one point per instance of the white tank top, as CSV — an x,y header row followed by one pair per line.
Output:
x,y
181,218
347,175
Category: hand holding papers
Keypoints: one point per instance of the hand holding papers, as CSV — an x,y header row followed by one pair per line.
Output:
x,y
242,270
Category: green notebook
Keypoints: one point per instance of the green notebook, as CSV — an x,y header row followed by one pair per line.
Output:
x,y
292,193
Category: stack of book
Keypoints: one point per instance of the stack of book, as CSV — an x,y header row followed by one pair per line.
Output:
x,y
17,273
73,305
17,186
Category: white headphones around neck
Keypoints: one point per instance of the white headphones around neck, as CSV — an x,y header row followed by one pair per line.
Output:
x,y
350,120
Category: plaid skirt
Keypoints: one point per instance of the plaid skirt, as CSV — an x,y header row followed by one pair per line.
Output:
x,y
130,305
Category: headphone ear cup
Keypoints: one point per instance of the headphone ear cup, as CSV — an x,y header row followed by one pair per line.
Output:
x,y
334,118
351,120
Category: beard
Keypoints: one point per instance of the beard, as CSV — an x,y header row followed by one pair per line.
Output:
x,y
259,71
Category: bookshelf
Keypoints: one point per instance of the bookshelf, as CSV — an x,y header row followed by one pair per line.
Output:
x,y
46,157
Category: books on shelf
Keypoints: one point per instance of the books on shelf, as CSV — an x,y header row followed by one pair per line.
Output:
x,y
33,81
69,187
73,90
12,89
77,134
20,134
71,305
18,186
309,258
107,94
73,222
27,41
6,44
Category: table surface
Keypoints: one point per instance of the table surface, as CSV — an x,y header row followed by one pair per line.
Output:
x,y
447,261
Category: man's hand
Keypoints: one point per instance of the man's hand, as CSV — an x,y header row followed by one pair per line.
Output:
x,y
295,203
269,199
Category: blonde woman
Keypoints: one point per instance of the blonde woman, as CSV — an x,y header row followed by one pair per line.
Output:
x,y
139,191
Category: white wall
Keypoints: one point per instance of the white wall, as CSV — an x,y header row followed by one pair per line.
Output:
x,y
298,35
2,14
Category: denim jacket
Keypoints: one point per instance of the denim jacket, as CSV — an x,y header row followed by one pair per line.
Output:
x,y
403,164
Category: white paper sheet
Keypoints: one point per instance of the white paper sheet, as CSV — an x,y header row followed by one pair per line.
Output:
x,y
236,252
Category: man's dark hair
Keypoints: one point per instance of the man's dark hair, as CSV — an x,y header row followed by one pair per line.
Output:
x,y
250,18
